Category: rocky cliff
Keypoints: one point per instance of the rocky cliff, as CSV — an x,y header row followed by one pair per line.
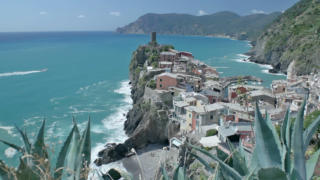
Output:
x,y
147,122
294,35
218,24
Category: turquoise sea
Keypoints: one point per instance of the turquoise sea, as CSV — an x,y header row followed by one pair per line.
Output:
x,y
57,75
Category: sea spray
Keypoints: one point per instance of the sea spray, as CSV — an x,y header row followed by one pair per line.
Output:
x,y
115,122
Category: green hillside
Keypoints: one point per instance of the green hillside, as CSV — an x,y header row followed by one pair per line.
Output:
x,y
293,36
218,24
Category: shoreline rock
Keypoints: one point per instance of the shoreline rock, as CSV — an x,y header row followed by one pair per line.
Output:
x,y
146,123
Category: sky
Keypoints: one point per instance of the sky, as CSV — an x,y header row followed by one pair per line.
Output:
x,y
107,15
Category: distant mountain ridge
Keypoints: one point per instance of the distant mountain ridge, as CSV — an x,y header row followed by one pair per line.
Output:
x,y
218,24
294,35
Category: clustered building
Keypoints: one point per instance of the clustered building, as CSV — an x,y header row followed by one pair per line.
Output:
x,y
203,101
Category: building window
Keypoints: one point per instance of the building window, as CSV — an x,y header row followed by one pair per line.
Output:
x,y
189,115
211,116
160,85
160,80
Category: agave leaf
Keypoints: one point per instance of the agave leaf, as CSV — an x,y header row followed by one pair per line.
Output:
x,y
311,163
86,149
239,163
286,159
202,161
5,173
218,175
299,161
18,148
39,148
179,174
62,155
267,142
285,130
241,150
26,173
84,153
72,155
238,159
233,173
25,139
309,132
272,173
164,173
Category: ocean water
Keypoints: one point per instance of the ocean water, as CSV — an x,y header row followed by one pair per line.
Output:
x,y
60,75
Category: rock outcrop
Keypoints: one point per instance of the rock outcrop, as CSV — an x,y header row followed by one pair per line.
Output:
x,y
147,122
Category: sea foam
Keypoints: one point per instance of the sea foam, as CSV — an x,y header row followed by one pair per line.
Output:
x,y
114,121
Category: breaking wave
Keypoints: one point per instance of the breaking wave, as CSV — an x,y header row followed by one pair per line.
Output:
x,y
114,122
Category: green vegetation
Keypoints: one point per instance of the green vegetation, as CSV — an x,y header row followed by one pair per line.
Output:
x,y
152,84
294,36
273,157
72,162
211,132
154,64
222,23
166,48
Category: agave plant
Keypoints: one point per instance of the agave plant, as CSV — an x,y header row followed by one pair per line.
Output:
x,y
72,162
273,157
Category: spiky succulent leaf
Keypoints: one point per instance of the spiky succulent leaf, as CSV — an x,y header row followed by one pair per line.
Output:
x,y
16,147
218,175
233,173
299,161
285,130
179,174
238,159
84,152
272,173
72,155
267,143
287,161
62,155
5,172
286,140
309,132
39,148
27,173
311,163
164,172
86,149
202,161
27,144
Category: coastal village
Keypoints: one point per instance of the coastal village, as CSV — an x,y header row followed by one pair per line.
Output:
x,y
178,99
217,110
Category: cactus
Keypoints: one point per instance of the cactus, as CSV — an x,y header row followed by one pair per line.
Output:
x,y
273,157
72,162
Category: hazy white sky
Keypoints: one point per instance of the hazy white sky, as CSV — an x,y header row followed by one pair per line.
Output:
x,y
66,15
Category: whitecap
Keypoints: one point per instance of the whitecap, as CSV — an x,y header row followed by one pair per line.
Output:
x,y
266,66
10,152
21,73
9,129
266,71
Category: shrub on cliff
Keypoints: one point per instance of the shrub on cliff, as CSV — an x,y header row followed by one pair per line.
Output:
x,y
211,132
